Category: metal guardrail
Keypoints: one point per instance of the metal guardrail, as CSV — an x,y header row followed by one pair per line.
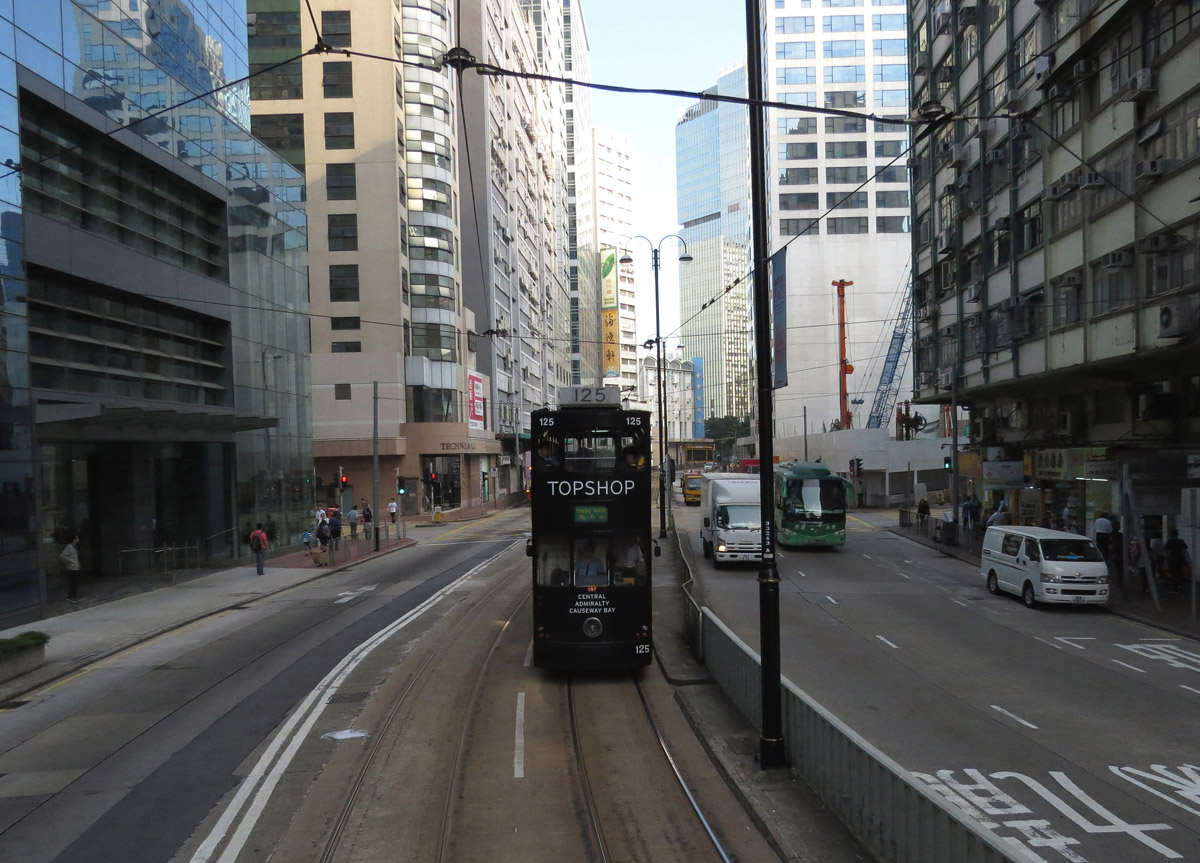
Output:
x,y
895,816
162,559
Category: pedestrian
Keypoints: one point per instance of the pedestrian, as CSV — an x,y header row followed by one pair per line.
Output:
x,y
258,545
1158,557
1103,528
966,514
335,529
70,564
923,513
322,556
306,538
998,517
352,515
320,515
366,519
1135,561
976,510
392,509
1179,562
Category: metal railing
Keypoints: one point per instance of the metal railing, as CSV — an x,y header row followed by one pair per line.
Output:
x,y
163,559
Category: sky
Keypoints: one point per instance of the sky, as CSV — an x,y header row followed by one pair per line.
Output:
x,y
676,44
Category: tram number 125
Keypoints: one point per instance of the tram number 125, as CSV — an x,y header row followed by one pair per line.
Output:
x,y
641,648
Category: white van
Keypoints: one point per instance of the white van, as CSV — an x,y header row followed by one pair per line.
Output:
x,y
1042,565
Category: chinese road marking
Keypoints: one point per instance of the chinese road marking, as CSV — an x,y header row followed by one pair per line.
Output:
x,y
1014,716
1172,654
1185,783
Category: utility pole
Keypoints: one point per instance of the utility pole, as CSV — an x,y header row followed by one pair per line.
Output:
x,y
377,522
844,367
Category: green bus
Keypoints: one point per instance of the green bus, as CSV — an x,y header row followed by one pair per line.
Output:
x,y
810,505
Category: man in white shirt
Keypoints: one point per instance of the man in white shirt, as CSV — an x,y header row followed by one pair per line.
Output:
x,y
999,517
1103,529
392,509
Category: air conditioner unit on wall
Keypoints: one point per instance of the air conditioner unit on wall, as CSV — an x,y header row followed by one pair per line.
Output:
x,y
1174,320
1091,180
1163,242
1140,85
946,376
974,292
925,379
1150,168
1117,260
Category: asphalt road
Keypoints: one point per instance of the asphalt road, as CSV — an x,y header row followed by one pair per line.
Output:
x,y
1069,730
125,760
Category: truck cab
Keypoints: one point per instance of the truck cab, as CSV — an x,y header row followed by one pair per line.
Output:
x,y
732,518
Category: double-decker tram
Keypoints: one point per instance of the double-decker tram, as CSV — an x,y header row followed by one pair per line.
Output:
x,y
810,505
590,543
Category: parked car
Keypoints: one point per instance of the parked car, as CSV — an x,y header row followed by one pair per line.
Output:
x,y
1043,565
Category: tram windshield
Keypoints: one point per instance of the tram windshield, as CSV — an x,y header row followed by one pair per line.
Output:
x,y
814,499
591,561
590,452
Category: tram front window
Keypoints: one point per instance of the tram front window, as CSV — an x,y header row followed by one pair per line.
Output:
x,y
591,561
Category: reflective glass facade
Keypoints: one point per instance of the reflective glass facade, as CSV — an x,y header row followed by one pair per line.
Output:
x,y
153,332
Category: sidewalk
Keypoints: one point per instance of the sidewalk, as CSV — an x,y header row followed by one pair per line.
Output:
x,y
102,625
1174,614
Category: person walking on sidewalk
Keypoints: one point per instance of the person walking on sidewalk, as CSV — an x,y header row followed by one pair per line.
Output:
x,y
70,564
1103,528
335,528
392,509
1179,562
367,518
258,545
352,515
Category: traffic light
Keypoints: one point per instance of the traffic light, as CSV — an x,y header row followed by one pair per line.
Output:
x,y
345,480
948,461
400,485
858,467
853,467
433,476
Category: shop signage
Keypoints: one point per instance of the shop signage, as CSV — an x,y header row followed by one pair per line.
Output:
x,y
1097,468
1004,472
475,400
458,446
1052,464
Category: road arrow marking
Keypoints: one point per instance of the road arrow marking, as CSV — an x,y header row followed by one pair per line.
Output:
x,y
347,595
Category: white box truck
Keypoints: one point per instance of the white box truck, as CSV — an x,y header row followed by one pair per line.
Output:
x,y
732,516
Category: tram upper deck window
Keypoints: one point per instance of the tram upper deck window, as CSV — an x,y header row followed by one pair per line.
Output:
x,y
595,451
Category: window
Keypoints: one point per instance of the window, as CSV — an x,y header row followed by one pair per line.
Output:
x,y
891,98
845,74
796,75
891,72
999,247
436,341
889,22
846,150
341,392
339,131
1068,304
891,224
849,174
345,323
846,201
798,126
343,232
798,176
283,133
1029,225
1113,287
892,199
795,50
797,151
846,99
888,149
337,80
797,24
845,125
282,82
845,48
340,182
891,47
428,148
426,100
808,100
799,227
894,174
800,201
343,283
839,3
430,196
850,225
335,28
844,23
431,244
345,348
431,291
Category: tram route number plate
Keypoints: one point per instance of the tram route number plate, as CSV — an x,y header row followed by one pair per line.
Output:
x,y
591,515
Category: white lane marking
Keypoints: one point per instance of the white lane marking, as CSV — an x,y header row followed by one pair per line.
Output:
x,y
1190,689
528,654
801,574
1014,716
831,599
519,747
960,602
908,561
347,595
1176,638
867,556
260,782
904,575
1050,643
1065,639
888,643
1127,665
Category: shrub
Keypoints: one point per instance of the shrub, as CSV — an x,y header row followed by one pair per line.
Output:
x,y
24,641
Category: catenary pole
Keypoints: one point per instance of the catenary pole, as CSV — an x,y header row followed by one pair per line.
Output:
x,y
771,749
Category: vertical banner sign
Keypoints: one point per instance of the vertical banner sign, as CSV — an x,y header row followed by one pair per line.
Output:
x,y
698,397
779,315
475,400
610,315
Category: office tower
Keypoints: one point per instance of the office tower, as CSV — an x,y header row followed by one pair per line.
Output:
x,y
612,158
847,55
153,341
1056,250
713,181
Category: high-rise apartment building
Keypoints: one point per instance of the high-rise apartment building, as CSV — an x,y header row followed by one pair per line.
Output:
x,y
712,141
1057,250
153,340
612,160
851,55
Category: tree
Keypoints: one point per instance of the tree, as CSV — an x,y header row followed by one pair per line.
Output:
x,y
723,431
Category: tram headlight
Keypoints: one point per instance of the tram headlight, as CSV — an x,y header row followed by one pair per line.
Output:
x,y
592,627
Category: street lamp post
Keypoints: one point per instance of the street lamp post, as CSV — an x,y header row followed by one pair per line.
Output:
x,y
655,263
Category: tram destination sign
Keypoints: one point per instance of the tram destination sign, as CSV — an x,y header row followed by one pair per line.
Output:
x,y
591,514
606,396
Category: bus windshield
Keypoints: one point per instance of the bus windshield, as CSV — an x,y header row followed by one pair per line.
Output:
x,y
814,498
739,516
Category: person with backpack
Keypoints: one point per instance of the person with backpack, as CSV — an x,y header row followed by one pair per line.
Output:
x,y
335,528
322,556
258,545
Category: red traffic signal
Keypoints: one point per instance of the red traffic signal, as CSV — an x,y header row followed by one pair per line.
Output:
x,y
345,480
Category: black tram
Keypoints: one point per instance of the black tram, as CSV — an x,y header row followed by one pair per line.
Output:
x,y
591,490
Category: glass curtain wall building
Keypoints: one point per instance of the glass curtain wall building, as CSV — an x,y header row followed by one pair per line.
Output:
x,y
154,392
714,212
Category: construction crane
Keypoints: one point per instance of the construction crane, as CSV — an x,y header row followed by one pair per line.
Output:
x,y
889,379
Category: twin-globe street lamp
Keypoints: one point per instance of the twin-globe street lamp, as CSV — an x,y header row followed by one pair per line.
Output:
x,y
655,263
